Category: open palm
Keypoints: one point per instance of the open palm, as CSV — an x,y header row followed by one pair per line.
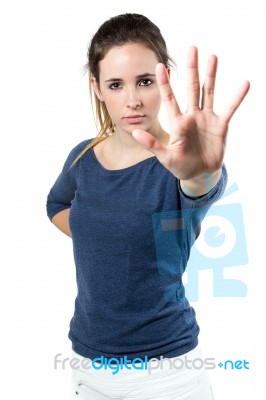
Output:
x,y
197,137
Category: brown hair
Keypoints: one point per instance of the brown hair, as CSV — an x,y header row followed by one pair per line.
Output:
x,y
117,31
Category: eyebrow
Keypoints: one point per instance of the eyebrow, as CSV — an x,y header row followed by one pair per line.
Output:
x,y
146,75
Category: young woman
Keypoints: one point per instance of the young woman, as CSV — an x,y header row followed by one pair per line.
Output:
x,y
132,200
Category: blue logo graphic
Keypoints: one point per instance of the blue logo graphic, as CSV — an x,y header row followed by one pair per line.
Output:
x,y
238,364
221,244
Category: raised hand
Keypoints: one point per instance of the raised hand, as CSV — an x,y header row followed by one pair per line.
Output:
x,y
197,137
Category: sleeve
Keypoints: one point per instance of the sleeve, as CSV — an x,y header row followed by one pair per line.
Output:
x,y
63,190
207,199
199,206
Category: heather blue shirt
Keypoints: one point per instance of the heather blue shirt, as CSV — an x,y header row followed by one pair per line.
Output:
x,y
132,230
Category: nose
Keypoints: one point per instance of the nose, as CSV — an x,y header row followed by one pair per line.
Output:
x,y
134,105
133,100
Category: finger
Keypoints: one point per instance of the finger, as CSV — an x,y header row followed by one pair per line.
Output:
x,y
233,106
209,84
166,91
148,141
193,85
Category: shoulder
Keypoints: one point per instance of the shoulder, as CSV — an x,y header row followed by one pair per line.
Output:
x,y
79,147
74,152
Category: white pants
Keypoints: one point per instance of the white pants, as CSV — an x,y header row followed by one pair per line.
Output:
x,y
168,383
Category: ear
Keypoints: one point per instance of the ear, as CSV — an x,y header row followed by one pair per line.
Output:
x,y
96,88
168,69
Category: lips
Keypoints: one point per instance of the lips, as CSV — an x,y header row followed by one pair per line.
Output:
x,y
134,119
134,116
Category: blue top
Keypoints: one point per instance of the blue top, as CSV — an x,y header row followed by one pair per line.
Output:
x,y
132,230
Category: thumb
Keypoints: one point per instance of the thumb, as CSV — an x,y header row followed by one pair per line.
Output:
x,y
148,141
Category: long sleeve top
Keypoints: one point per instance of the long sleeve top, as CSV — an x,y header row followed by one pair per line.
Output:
x,y
132,231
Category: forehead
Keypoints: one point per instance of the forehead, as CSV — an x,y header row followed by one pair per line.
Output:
x,y
133,58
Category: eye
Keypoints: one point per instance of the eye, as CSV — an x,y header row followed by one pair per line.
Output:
x,y
115,86
145,82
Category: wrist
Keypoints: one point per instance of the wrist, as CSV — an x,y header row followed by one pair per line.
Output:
x,y
201,184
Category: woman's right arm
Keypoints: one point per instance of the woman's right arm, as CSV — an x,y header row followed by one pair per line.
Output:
x,y
61,221
62,193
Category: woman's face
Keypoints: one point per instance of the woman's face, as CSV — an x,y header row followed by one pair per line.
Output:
x,y
128,86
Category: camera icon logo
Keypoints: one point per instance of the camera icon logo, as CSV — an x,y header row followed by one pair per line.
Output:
x,y
221,244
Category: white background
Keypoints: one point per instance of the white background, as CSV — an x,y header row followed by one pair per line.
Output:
x,y
45,112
